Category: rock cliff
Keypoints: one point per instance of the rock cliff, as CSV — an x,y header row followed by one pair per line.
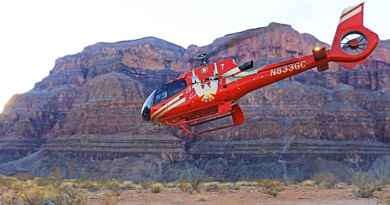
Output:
x,y
87,110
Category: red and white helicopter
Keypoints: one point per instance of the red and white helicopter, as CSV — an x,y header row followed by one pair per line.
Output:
x,y
211,91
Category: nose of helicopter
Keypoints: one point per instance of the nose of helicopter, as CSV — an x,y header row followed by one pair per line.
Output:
x,y
145,111
145,114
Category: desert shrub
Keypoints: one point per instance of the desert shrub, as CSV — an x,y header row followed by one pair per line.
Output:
x,y
271,187
185,187
171,185
7,181
112,185
157,188
55,176
17,185
196,185
195,176
89,185
225,186
236,186
147,184
246,183
212,187
128,185
9,197
71,196
45,181
325,180
364,186
39,195
29,192
341,185
308,183
69,183
111,198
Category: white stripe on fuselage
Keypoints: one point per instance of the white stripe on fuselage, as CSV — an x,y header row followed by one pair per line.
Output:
x,y
181,101
166,105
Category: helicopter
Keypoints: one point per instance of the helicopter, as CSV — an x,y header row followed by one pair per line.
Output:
x,y
210,91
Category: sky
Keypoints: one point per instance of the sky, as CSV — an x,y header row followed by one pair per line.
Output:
x,y
33,34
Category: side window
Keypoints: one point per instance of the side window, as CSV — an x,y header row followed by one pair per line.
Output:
x,y
161,94
175,87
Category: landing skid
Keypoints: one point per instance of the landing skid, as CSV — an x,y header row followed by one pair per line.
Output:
x,y
187,138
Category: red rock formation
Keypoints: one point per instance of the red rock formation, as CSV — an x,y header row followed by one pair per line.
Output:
x,y
97,94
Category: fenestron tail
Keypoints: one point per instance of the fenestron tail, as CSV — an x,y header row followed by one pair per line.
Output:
x,y
352,42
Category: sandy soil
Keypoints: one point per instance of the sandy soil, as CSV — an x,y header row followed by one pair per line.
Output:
x,y
292,195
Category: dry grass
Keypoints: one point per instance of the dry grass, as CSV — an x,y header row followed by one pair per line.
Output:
x,y
325,180
270,187
364,186
212,187
246,184
31,193
147,184
185,187
157,188
308,183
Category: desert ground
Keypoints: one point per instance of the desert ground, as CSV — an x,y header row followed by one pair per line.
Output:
x,y
320,191
292,195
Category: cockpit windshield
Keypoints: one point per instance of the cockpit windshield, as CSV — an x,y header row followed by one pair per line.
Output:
x,y
169,90
166,91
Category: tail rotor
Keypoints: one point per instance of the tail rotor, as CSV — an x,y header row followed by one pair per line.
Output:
x,y
353,42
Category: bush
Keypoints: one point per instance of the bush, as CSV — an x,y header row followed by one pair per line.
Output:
x,y
308,183
147,184
341,185
195,183
246,183
39,195
71,196
271,187
9,198
56,177
364,186
225,186
185,187
212,187
112,185
128,185
89,185
325,180
29,192
236,186
156,188
171,185
7,181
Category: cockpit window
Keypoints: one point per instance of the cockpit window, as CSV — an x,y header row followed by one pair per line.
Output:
x,y
169,90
